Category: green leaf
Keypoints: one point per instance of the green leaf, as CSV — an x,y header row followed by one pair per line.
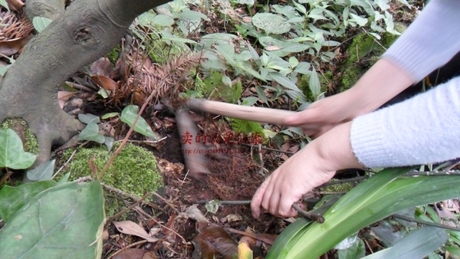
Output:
x,y
91,132
284,81
64,220
314,83
355,250
358,19
14,198
12,153
162,20
109,142
43,172
110,115
88,118
376,198
40,23
4,4
417,244
129,114
271,23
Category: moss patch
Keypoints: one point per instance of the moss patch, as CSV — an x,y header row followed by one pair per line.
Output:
x,y
29,140
363,52
134,171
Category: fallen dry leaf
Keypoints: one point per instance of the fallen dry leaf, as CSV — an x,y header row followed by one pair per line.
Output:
x,y
131,228
101,67
11,47
15,5
63,97
105,82
214,242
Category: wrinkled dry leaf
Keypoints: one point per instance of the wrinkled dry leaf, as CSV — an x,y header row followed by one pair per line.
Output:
x,y
101,67
11,47
194,213
131,228
214,242
105,82
233,218
63,97
15,5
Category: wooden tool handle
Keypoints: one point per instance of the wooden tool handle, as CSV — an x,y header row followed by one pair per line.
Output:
x,y
267,115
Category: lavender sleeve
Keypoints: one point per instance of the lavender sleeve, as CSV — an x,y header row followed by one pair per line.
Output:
x,y
425,128
430,41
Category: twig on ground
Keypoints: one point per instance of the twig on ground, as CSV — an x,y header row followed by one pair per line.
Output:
x,y
165,201
316,217
133,197
140,211
132,206
65,164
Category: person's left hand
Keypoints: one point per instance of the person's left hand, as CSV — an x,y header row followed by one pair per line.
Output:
x,y
286,185
312,166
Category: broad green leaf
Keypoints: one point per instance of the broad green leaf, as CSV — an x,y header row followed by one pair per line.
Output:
x,y
314,83
354,251
109,142
284,81
14,198
193,15
376,198
43,172
129,114
110,115
162,20
249,101
245,2
4,4
417,244
60,222
88,118
91,132
40,23
12,154
271,23
358,19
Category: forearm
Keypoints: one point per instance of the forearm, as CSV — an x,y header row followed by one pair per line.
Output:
x,y
430,41
379,84
332,151
423,129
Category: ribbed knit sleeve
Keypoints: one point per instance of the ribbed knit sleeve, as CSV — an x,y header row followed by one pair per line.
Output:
x,y
430,41
423,129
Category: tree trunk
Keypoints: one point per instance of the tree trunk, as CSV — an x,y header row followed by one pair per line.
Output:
x,y
84,32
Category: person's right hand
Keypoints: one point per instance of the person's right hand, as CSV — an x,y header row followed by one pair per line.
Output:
x,y
323,115
379,84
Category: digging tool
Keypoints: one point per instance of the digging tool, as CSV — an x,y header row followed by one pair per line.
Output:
x,y
259,114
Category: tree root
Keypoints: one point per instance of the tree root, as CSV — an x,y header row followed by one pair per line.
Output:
x,y
84,32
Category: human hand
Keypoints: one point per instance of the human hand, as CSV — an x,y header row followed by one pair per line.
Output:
x,y
286,185
312,166
377,86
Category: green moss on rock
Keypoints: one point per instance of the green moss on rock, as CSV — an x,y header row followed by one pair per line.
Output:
x,y
20,127
134,171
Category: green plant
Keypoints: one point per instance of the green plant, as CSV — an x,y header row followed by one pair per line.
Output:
x,y
376,198
43,218
129,114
